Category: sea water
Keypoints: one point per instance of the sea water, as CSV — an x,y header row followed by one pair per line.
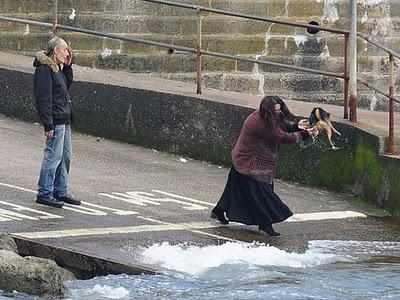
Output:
x,y
327,270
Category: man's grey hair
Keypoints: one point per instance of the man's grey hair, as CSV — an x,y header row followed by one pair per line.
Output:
x,y
52,44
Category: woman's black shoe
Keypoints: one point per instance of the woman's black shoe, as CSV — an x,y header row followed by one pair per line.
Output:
x,y
268,229
217,214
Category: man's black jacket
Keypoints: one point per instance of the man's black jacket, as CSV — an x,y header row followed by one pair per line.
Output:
x,y
51,86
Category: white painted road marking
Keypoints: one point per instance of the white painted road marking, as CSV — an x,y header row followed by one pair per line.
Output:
x,y
327,215
80,209
143,198
132,197
7,214
179,226
184,198
17,187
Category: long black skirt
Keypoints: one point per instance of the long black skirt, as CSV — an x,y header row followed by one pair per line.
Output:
x,y
248,201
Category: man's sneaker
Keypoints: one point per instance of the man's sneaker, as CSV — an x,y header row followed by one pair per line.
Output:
x,y
68,199
49,201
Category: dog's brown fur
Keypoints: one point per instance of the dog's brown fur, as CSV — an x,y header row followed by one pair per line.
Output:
x,y
320,120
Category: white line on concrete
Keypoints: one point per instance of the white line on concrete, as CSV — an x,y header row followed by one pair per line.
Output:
x,y
8,213
326,215
105,231
79,209
17,187
184,198
192,230
164,226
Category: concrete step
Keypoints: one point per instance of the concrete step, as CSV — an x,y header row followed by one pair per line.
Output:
x,y
184,62
41,6
370,68
293,8
331,46
117,23
308,88
176,64
272,8
137,7
302,87
187,24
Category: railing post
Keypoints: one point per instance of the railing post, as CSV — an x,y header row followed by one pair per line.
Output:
x,y
55,22
391,143
199,37
346,77
353,62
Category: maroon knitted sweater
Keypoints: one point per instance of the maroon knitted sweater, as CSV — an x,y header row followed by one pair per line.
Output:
x,y
257,149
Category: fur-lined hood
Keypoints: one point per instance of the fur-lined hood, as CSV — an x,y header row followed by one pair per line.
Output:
x,y
42,59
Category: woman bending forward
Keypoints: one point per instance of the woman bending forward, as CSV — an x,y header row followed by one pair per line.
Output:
x,y
249,196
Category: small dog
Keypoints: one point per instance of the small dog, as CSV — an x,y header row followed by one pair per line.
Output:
x,y
320,120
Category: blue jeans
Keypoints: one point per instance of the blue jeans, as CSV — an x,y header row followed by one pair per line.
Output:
x,y
54,172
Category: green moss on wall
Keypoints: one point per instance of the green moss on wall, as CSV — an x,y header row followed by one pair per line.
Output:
x,y
334,170
370,206
394,182
366,162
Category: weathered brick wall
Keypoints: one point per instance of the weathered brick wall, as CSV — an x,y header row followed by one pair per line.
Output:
x,y
274,42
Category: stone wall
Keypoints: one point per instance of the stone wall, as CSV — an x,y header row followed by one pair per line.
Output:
x,y
274,42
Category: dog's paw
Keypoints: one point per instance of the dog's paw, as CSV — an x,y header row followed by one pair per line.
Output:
x,y
335,148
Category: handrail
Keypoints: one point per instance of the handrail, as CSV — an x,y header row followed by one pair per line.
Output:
x,y
169,46
377,89
379,45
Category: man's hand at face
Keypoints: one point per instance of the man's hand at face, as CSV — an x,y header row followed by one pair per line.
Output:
x,y
68,58
49,134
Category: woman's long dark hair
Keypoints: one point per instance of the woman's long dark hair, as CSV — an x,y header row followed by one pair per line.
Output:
x,y
268,114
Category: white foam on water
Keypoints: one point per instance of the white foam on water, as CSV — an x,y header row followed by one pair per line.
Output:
x,y
109,292
195,260
354,248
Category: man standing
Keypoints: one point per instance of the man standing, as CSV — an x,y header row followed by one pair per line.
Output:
x,y
51,84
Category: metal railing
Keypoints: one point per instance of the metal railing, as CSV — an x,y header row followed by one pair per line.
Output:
x,y
200,52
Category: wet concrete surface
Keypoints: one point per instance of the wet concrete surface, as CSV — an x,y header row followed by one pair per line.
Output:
x,y
135,197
